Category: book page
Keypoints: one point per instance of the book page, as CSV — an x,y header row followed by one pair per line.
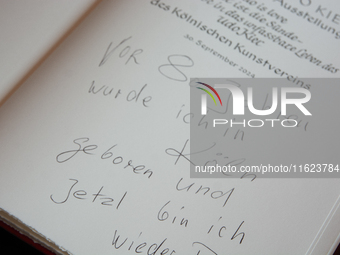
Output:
x,y
29,30
95,153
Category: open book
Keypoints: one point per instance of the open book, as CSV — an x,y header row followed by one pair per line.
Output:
x,y
95,143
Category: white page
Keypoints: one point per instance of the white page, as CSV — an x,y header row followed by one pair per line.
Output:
x,y
29,30
54,113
